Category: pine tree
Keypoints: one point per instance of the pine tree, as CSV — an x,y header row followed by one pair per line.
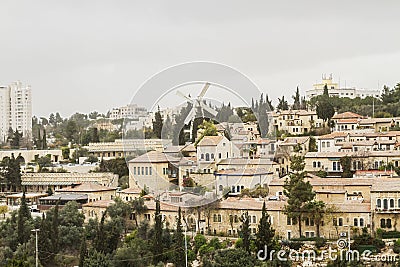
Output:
x,y
245,232
157,242
179,258
265,234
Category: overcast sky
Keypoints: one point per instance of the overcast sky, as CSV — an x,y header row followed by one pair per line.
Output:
x,y
80,56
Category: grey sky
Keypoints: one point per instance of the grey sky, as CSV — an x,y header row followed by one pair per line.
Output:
x,y
93,55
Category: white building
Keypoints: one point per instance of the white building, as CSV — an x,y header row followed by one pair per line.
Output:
x,y
212,149
131,111
15,109
335,90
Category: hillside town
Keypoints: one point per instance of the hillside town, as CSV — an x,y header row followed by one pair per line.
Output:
x,y
131,186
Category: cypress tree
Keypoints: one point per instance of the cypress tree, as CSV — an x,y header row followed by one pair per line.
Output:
x,y
157,241
83,252
157,124
179,258
265,233
245,232
54,229
24,214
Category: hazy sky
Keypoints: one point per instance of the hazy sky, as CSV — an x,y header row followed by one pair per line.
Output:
x,y
80,56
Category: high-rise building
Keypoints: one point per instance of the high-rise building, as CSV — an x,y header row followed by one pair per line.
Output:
x,y
15,110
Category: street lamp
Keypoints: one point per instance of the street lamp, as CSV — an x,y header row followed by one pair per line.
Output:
x,y
37,250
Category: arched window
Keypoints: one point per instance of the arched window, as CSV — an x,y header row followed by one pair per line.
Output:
x,y
389,223
202,156
212,155
361,222
323,144
314,164
379,203
319,164
207,157
385,204
355,222
391,202
383,223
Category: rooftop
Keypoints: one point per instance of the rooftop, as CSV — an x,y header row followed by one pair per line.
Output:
x,y
210,140
87,187
154,157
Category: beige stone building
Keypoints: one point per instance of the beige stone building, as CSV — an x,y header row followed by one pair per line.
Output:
x,y
154,170
41,182
94,191
126,147
294,121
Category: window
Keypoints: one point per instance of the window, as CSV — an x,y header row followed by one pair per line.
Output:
x,y
383,223
212,155
254,219
207,157
361,222
323,144
134,170
389,223
391,203
385,204
328,144
219,155
142,170
147,170
319,164
355,223
314,164
202,156
151,170
379,203
340,221
220,187
398,203
334,166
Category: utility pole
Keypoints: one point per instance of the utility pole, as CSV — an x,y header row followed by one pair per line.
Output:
x,y
37,250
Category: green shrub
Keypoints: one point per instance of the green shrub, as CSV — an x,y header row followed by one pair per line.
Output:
x,y
320,242
396,247
296,245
